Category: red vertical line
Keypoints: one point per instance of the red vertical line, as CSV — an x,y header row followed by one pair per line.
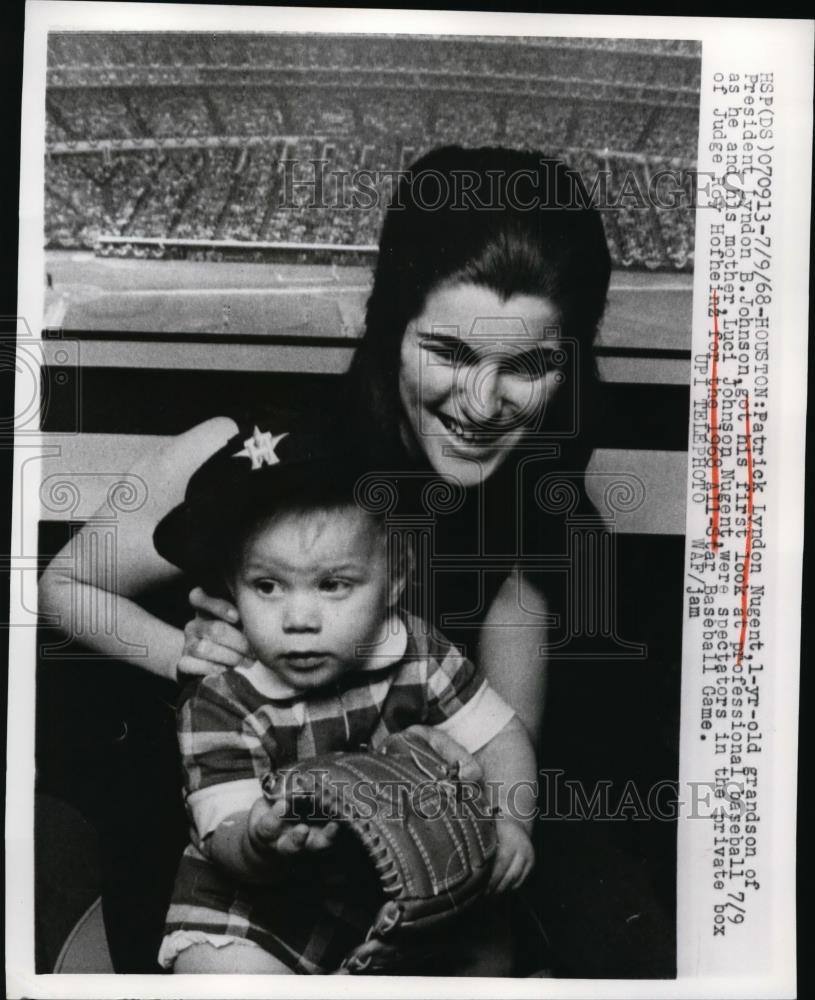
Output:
x,y
714,427
748,540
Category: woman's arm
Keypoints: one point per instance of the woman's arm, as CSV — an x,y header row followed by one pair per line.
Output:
x,y
508,763
77,587
510,773
514,629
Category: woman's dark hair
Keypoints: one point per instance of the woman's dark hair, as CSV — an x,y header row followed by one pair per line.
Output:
x,y
514,222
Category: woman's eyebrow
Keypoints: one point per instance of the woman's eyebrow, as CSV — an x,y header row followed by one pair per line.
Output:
x,y
462,348
455,344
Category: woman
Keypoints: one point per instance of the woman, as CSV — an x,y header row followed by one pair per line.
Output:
x,y
489,287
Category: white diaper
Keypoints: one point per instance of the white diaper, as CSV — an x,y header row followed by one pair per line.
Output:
x,y
173,944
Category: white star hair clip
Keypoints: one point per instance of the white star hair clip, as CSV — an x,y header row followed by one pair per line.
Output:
x,y
260,447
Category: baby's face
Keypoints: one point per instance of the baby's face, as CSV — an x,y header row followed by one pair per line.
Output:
x,y
311,589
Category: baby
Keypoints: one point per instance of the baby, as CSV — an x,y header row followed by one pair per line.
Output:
x,y
273,520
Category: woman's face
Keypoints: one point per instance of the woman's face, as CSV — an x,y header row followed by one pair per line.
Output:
x,y
475,373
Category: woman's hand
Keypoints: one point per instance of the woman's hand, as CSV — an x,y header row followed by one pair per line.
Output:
x,y
514,859
451,751
212,640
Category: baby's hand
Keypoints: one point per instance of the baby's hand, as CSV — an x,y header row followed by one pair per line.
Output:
x,y
514,858
270,832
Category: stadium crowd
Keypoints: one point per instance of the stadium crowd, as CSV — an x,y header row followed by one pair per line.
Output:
x,y
315,164
625,60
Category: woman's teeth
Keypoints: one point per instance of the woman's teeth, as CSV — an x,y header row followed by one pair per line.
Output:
x,y
457,430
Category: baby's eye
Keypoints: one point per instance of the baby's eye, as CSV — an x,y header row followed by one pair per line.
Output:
x,y
267,588
335,585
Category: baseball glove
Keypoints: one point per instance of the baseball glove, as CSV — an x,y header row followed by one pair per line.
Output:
x,y
430,838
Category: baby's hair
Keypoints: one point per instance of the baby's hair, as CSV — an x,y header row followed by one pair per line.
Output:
x,y
307,500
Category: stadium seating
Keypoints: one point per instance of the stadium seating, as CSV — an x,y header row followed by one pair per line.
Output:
x,y
140,144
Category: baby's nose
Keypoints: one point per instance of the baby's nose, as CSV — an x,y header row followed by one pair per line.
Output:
x,y
301,614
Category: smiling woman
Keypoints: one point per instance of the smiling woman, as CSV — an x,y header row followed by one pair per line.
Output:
x,y
506,270
477,372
